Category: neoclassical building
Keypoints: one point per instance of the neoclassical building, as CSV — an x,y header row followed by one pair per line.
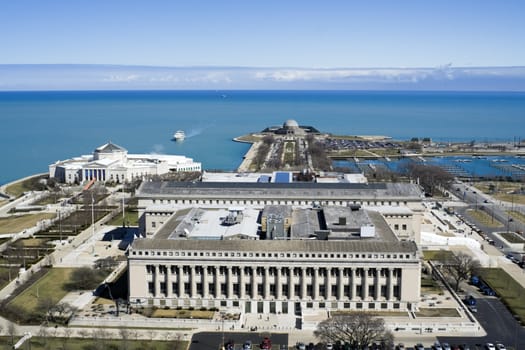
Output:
x,y
111,162
338,246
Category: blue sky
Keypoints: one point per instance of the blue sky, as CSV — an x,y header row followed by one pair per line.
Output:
x,y
304,35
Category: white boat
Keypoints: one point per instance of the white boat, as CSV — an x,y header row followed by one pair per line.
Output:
x,y
179,135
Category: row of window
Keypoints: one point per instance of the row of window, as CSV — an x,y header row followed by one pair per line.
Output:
x,y
260,291
272,271
374,256
273,202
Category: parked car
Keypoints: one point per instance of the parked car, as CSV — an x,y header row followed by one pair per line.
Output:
x,y
437,346
500,346
247,345
445,346
419,346
490,346
300,346
329,346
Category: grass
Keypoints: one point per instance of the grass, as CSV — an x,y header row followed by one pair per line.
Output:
x,y
51,285
170,313
483,218
18,188
511,237
19,223
31,242
376,313
437,312
439,255
502,191
510,291
38,343
429,286
516,215
131,218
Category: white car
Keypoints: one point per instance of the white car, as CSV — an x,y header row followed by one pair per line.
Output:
x,y
445,346
490,346
329,346
500,346
437,346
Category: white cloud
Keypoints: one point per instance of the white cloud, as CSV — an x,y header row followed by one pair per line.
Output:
x,y
116,78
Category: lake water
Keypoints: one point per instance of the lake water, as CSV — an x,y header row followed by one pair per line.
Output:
x,y
39,128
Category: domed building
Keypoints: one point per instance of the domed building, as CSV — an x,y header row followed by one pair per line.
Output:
x,y
291,127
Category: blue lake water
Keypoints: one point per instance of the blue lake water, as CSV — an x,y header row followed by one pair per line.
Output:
x,y
39,128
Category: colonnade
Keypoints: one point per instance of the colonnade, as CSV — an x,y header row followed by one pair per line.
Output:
x,y
274,282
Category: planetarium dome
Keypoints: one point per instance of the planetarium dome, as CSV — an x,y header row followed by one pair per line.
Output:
x,y
290,124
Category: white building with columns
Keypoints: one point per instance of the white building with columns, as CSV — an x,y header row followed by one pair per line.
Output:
x,y
352,258
111,162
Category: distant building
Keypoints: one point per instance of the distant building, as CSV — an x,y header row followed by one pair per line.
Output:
x,y
111,162
291,127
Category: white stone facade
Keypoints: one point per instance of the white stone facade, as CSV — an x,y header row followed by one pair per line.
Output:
x,y
110,162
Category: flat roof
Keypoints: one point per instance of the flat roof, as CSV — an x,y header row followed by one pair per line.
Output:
x,y
314,191
301,246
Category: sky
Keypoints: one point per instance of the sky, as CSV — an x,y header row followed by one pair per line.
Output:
x,y
217,37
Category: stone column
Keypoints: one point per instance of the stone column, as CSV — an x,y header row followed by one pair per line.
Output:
x,y
229,283
169,286
254,282
291,283
315,284
217,281
353,289
278,284
364,283
242,282
205,287
340,283
303,283
390,283
157,281
266,283
193,282
328,283
378,284
180,279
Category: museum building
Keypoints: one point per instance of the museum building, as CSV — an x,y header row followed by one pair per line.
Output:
x,y
205,245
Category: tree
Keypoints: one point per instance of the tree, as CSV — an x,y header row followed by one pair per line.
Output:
x,y
359,329
460,267
11,331
84,278
429,176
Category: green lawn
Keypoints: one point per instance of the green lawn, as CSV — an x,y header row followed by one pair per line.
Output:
x,y
484,218
38,343
511,237
131,217
51,285
31,184
437,255
510,291
170,313
437,312
516,215
19,223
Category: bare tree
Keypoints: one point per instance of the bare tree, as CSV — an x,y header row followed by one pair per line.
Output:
x,y
429,176
460,267
11,331
359,329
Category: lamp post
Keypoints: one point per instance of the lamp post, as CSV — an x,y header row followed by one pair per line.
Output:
x,y
93,213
